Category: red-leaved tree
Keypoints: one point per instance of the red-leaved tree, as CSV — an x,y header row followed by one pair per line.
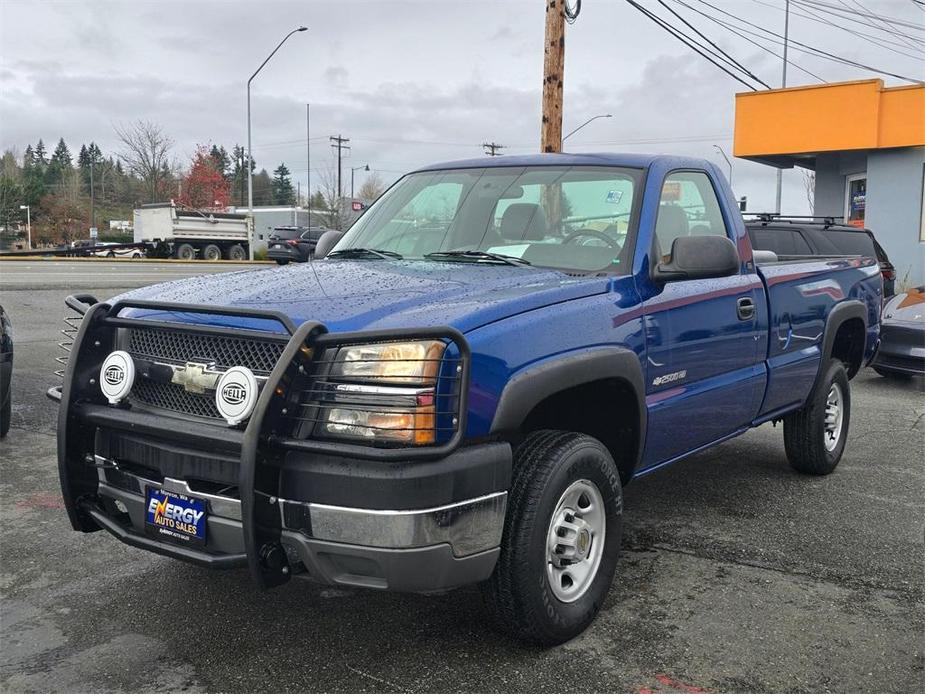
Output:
x,y
204,187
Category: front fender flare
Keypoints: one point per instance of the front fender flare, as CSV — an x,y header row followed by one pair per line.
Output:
x,y
530,386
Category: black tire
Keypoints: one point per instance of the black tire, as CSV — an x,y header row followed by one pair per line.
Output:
x,y
519,595
282,261
212,253
237,252
186,252
111,254
805,432
6,416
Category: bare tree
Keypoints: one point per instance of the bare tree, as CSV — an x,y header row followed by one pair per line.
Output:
x,y
328,190
146,154
809,186
372,187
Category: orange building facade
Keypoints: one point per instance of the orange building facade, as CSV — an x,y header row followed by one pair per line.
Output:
x,y
866,144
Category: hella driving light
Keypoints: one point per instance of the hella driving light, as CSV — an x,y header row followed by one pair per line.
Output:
x,y
391,362
236,394
117,376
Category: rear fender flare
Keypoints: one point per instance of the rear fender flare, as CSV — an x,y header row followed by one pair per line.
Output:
x,y
530,386
842,312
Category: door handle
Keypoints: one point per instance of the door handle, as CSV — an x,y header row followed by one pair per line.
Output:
x,y
745,308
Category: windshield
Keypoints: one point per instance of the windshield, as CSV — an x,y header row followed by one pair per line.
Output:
x,y
575,218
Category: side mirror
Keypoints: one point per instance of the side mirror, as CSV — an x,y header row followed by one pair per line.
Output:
x,y
697,258
326,242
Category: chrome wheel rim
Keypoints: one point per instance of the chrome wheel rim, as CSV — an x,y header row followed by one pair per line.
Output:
x,y
575,540
834,417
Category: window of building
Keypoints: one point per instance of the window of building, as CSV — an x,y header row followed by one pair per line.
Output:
x,y
855,199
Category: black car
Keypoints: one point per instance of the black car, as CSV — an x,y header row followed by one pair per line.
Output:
x,y
795,236
902,335
6,371
295,244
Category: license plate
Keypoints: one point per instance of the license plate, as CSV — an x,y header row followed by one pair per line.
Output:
x,y
276,245
175,517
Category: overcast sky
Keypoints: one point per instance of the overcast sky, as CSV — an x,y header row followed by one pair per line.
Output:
x,y
408,82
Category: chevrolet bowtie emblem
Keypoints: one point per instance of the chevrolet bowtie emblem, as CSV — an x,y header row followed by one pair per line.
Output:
x,y
196,377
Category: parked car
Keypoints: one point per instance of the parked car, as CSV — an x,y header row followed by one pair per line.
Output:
x,y
115,250
461,388
296,248
790,237
902,335
6,372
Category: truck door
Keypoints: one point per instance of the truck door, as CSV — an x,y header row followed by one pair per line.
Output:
x,y
705,370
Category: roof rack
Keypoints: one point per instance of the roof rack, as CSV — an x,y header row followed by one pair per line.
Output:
x,y
826,220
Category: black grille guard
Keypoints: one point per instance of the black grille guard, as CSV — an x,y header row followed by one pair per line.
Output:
x,y
81,403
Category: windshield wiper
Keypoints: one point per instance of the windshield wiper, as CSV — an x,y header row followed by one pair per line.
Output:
x,y
360,252
476,256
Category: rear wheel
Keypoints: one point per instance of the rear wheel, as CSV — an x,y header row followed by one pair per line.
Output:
x,y
815,436
236,252
561,538
282,261
212,253
186,252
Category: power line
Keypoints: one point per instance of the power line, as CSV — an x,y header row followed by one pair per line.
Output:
x,y
813,17
755,43
728,57
853,16
805,47
687,41
876,18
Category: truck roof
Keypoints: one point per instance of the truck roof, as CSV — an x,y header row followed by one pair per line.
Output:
x,y
566,159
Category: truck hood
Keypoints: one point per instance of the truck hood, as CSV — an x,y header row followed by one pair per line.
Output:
x,y
348,295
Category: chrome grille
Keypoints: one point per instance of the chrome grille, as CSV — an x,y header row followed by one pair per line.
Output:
x,y
260,356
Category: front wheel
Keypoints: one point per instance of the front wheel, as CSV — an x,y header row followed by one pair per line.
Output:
x,y
815,436
560,541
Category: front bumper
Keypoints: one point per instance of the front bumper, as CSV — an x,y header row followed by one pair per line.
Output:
x,y
418,550
423,519
902,349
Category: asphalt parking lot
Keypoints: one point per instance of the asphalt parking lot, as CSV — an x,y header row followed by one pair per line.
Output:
x,y
737,574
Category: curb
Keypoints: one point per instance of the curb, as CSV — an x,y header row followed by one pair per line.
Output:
x,y
83,259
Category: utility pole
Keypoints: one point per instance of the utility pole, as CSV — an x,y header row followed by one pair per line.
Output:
x,y
783,85
492,149
92,201
308,162
340,144
553,67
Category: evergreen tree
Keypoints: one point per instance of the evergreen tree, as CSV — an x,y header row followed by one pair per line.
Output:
x,y
263,188
220,159
28,157
39,157
283,194
60,164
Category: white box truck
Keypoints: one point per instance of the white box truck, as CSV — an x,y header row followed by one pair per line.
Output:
x,y
169,231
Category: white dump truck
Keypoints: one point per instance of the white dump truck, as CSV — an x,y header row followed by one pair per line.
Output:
x,y
169,231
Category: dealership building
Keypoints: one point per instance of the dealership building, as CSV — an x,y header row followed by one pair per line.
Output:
x,y
866,144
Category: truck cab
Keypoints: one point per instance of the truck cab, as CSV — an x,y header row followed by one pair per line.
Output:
x,y
459,390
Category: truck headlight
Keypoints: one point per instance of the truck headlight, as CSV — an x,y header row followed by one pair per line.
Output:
x,y
383,393
390,362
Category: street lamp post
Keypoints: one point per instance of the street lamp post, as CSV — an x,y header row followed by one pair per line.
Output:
x,y
250,156
365,167
593,118
28,224
728,161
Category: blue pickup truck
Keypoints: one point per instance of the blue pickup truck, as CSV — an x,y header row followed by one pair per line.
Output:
x,y
459,389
